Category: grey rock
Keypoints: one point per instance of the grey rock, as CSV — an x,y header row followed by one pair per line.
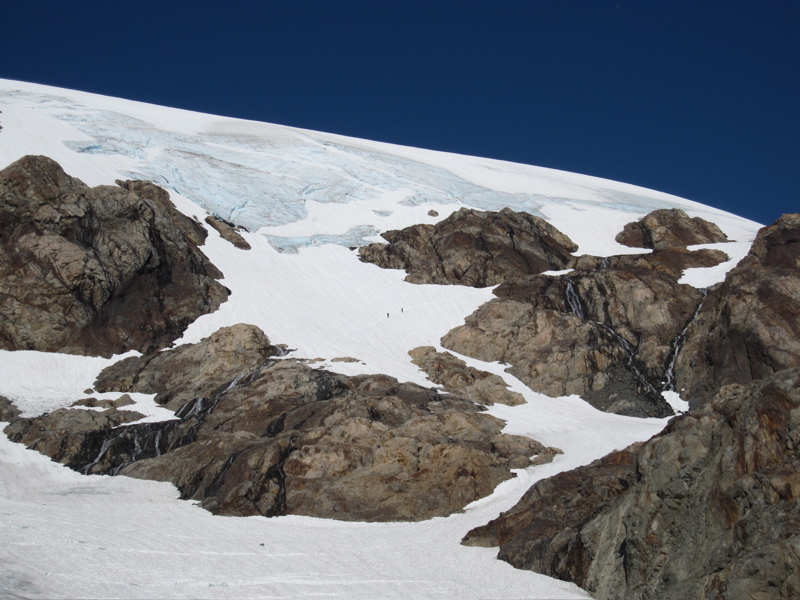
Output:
x,y
96,271
748,327
707,509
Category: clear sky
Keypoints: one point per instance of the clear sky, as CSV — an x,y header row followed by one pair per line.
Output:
x,y
699,99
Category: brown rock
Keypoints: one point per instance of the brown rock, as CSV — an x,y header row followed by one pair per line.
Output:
x,y
96,271
670,261
707,509
457,378
184,373
228,232
255,436
473,248
669,228
749,325
605,335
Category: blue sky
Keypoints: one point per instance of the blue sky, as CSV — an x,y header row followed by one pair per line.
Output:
x,y
699,99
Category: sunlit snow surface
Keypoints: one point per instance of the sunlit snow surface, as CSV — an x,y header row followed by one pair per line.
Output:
x,y
306,198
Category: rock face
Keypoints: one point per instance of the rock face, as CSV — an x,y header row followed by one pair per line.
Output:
x,y
193,370
710,508
707,509
669,228
749,325
272,437
606,335
473,248
608,332
98,270
457,378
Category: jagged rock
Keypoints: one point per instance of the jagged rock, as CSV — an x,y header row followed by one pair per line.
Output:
x,y
748,327
457,378
271,437
192,370
473,248
605,335
228,232
97,270
707,509
669,228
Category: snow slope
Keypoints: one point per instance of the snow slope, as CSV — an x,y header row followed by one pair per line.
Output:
x,y
306,198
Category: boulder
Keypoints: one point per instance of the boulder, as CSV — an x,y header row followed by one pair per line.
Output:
x,y
192,370
96,271
228,232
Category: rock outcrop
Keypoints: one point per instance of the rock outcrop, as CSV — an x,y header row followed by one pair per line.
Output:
x,y
606,335
96,271
190,371
228,232
670,228
670,261
473,248
260,436
710,508
457,378
749,325
609,331
707,509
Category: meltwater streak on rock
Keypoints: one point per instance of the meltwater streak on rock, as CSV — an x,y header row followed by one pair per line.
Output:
x,y
669,377
573,300
127,444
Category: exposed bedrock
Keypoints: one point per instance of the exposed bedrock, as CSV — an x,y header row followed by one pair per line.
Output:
x,y
96,271
278,437
707,509
749,325
669,228
228,232
473,248
457,378
669,261
606,335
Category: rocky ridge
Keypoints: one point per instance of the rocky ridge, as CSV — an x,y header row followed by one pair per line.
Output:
x,y
96,271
